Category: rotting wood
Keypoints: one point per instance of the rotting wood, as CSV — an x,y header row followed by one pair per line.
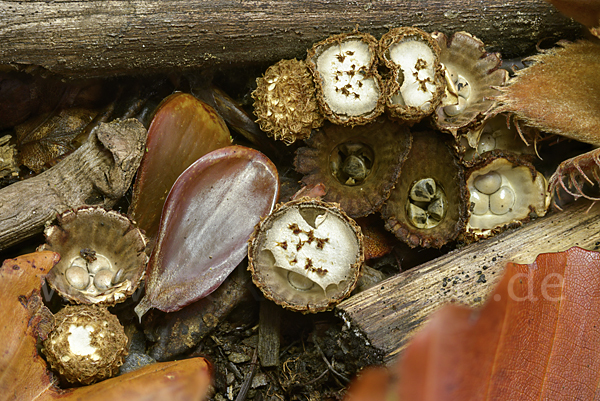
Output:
x,y
99,38
269,333
99,172
390,313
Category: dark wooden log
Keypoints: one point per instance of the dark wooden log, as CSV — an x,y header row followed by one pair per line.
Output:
x,y
390,313
99,38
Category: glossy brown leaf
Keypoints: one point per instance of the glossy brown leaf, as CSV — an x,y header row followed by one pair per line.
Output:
x,y
207,220
537,338
23,373
183,130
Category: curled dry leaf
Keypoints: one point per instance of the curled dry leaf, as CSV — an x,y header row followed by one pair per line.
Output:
x,y
183,130
207,220
23,373
535,339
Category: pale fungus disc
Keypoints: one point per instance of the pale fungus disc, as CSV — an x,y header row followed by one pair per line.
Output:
x,y
415,86
306,255
349,88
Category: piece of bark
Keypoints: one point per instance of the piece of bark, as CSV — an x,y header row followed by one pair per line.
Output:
x,y
178,332
269,329
98,38
97,173
390,313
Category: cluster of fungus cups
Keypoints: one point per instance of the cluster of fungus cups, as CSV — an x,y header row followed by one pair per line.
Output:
x,y
306,255
103,259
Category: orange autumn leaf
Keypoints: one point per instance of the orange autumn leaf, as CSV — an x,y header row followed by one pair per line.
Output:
x,y
537,338
23,373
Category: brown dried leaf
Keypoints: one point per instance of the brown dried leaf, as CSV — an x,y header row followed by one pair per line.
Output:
x,y
559,92
537,338
585,11
42,139
23,373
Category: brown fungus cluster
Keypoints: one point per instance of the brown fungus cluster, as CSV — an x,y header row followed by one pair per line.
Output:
x,y
368,162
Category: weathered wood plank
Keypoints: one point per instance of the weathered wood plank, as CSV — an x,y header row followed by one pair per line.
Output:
x,y
98,38
390,313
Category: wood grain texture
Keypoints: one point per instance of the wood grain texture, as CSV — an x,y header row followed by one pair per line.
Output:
x,y
99,38
390,313
99,172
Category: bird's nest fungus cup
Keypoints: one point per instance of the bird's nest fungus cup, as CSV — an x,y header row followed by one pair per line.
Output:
x,y
428,206
87,344
349,88
306,255
416,84
102,256
471,75
358,166
504,192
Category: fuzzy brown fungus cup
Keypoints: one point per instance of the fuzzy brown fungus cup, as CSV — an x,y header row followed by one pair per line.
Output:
x,y
504,192
428,206
285,101
358,166
102,256
471,75
349,88
87,345
306,255
415,85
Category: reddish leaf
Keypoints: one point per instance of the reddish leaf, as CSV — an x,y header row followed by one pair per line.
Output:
x,y
182,130
585,11
207,220
23,373
537,338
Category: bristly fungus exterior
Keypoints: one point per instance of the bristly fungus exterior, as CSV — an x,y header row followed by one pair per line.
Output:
x,y
415,86
285,101
357,165
306,255
504,192
102,256
471,75
349,88
87,345
428,206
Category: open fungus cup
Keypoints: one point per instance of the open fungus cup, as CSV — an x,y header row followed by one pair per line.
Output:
x,y
497,133
415,86
505,192
428,206
471,75
306,255
349,88
358,166
102,256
